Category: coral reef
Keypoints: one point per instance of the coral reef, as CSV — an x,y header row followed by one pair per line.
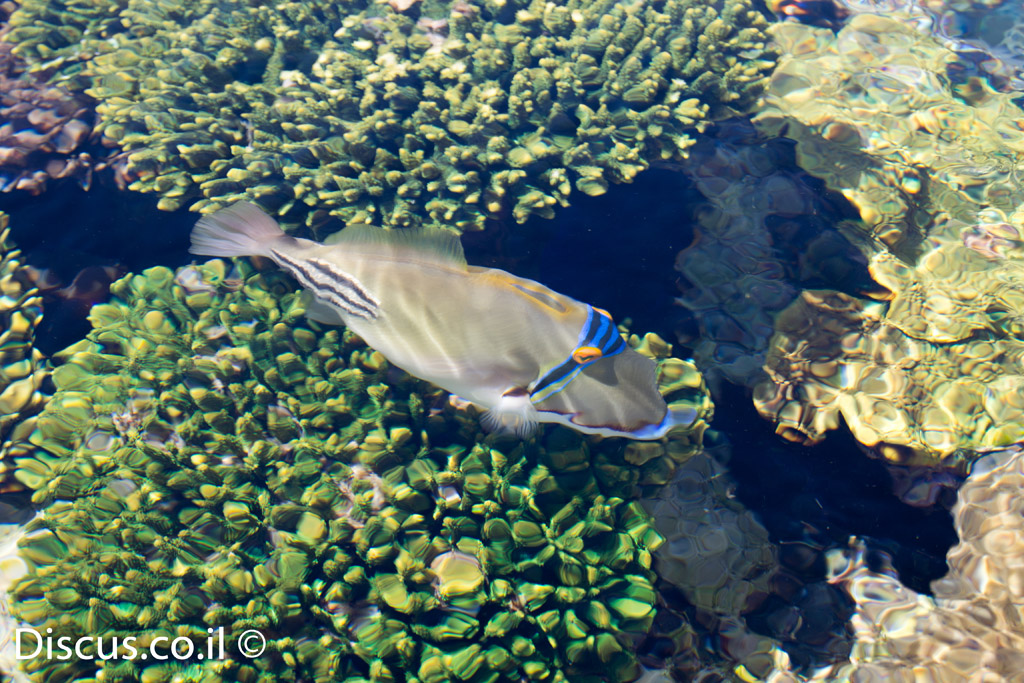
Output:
x,y
913,400
932,369
12,568
988,35
392,113
970,629
22,367
213,460
924,375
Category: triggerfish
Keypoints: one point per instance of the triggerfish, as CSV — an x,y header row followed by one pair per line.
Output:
x,y
512,346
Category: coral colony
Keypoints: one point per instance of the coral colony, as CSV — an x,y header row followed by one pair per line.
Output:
x,y
210,459
444,112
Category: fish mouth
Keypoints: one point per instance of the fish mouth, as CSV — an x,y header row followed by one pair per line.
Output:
x,y
614,396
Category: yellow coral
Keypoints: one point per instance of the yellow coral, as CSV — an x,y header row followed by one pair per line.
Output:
x,y
914,400
876,116
970,630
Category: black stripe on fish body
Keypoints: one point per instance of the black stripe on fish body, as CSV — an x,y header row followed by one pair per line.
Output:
x,y
556,375
346,282
598,331
331,285
614,345
599,334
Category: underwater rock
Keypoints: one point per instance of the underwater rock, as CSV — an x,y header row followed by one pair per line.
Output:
x,y
762,231
212,459
22,367
442,112
827,13
719,562
715,551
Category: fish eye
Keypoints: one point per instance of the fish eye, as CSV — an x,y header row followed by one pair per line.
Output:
x,y
585,354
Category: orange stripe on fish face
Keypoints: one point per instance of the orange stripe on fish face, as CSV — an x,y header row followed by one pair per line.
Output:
x,y
602,312
585,354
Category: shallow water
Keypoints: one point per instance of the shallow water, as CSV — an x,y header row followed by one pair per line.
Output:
x,y
826,273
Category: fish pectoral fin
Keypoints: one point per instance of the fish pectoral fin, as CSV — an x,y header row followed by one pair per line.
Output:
x,y
319,311
514,414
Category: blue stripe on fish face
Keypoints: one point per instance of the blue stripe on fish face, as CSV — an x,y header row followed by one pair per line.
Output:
x,y
598,339
604,336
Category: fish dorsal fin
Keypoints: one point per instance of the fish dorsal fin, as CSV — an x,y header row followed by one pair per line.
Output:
x,y
423,245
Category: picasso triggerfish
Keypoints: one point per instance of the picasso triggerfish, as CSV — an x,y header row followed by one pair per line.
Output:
x,y
512,346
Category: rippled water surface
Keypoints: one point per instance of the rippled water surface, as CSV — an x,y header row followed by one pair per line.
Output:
x,y
806,218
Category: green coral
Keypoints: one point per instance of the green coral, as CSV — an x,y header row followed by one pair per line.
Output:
x,y
453,111
22,367
212,460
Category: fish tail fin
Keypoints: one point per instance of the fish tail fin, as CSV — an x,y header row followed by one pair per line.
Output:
x,y
514,414
242,229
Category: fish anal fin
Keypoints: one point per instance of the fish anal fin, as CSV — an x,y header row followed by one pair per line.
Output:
x,y
434,245
514,414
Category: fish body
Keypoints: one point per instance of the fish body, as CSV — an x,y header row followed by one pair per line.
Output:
x,y
511,345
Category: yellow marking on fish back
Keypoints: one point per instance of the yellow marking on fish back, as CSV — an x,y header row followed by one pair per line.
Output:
x,y
550,302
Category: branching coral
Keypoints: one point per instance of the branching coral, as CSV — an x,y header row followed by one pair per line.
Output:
x,y
211,460
22,367
454,112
